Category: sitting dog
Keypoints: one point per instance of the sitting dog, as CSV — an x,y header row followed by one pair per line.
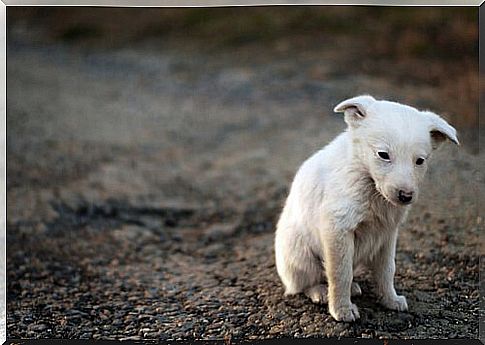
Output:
x,y
347,201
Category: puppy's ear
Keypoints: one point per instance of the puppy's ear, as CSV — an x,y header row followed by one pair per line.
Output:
x,y
440,130
355,109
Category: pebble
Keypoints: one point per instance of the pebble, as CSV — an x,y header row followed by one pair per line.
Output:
x,y
37,327
133,337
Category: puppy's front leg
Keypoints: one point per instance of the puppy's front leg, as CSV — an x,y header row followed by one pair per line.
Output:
x,y
384,269
338,249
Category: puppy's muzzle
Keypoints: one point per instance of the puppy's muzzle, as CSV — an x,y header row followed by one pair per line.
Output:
x,y
405,197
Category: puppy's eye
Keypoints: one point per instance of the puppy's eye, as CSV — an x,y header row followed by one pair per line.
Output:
x,y
419,161
384,155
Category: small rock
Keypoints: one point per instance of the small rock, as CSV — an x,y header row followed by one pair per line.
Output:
x,y
37,327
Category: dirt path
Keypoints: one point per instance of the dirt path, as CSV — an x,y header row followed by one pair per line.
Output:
x,y
143,188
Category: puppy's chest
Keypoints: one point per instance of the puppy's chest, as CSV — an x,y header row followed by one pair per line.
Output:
x,y
374,231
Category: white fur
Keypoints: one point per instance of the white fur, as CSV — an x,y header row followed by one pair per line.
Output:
x,y
344,208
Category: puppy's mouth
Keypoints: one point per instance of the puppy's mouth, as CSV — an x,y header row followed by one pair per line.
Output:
x,y
389,200
383,195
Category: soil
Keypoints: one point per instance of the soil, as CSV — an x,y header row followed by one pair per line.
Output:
x,y
144,183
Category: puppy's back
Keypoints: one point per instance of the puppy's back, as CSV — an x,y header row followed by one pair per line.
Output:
x,y
314,174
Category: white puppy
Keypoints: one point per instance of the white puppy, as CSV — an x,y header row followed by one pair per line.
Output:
x,y
347,201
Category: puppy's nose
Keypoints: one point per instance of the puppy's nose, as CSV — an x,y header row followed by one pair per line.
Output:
x,y
405,197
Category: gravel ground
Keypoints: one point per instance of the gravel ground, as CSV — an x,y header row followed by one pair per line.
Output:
x,y
144,185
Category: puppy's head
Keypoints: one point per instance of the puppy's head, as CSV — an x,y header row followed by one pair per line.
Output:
x,y
394,142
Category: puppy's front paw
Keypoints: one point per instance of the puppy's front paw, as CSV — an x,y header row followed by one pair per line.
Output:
x,y
395,303
347,312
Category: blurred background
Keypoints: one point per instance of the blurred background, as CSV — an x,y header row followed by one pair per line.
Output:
x,y
434,47
150,151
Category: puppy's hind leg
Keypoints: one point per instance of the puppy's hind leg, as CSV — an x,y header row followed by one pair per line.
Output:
x,y
296,264
355,289
303,275
318,293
